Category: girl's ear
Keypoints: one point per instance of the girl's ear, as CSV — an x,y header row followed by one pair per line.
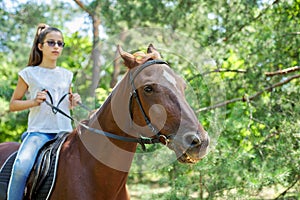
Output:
x,y
40,46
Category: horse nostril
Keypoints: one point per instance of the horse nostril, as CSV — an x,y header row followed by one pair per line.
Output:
x,y
193,140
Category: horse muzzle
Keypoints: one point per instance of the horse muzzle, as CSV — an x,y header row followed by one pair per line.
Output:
x,y
190,147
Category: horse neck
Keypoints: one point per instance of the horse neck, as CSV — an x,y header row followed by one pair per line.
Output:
x,y
112,117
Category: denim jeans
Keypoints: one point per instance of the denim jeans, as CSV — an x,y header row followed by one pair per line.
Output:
x,y
24,162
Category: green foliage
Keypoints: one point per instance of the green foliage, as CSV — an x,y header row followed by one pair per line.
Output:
x,y
255,142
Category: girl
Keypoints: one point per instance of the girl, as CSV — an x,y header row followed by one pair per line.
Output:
x,y
40,80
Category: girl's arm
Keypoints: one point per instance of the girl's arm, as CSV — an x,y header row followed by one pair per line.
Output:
x,y
16,102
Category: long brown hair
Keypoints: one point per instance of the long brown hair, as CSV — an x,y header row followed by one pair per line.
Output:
x,y
36,55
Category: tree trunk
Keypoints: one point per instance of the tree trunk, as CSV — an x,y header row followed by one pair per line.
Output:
x,y
117,63
95,57
95,16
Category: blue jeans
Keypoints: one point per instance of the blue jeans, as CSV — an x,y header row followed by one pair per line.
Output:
x,y
24,162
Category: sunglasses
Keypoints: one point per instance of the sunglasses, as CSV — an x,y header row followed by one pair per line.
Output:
x,y
53,43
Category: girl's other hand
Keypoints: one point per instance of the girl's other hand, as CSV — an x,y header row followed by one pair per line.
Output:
x,y
74,99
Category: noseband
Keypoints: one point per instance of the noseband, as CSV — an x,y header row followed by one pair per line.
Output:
x,y
159,137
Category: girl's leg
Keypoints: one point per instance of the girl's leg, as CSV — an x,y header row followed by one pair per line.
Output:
x,y
24,162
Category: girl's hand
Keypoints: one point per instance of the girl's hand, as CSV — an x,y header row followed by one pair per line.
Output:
x,y
74,99
40,97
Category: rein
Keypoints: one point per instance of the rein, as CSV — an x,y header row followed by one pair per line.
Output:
x,y
159,137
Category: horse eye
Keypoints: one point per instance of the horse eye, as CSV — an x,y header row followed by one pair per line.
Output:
x,y
148,89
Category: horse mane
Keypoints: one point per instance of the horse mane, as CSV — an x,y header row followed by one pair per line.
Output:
x,y
139,57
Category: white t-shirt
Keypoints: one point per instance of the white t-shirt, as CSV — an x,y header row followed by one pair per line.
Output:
x,y
57,81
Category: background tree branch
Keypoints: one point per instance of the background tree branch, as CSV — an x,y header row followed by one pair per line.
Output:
x,y
219,70
282,194
83,7
284,71
249,98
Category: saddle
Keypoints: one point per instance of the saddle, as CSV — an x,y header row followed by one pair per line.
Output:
x,y
42,177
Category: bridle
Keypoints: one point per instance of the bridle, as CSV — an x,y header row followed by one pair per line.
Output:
x,y
158,137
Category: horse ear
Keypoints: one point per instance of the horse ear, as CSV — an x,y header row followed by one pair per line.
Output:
x,y
129,59
151,49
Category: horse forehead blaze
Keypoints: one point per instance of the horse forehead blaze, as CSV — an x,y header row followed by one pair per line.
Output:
x,y
162,75
171,79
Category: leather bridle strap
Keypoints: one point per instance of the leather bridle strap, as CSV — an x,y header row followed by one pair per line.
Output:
x,y
159,136
142,140
143,66
54,110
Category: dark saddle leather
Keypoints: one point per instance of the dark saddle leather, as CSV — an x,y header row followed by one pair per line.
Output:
x,y
42,177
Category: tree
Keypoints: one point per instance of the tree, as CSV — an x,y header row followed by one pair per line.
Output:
x,y
241,63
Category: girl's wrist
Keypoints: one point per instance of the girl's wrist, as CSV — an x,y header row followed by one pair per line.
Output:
x,y
34,103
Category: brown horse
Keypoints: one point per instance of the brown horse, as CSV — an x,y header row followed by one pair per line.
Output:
x,y
147,106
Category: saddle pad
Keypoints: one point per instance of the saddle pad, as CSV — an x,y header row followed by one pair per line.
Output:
x,y
44,176
44,184
5,175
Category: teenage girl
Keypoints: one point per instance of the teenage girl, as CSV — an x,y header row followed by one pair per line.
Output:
x,y
38,81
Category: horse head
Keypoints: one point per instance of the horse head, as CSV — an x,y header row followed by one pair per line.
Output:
x,y
158,107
